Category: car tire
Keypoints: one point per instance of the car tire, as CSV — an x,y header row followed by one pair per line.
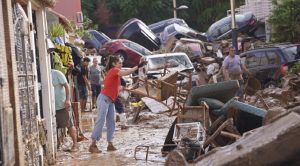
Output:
x,y
122,56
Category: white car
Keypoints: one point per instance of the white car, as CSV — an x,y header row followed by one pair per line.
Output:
x,y
173,61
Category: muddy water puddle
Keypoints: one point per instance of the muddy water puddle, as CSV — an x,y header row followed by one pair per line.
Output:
x,y
151,131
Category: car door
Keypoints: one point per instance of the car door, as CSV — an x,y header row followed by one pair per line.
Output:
x,y
269,67
273,65
252,61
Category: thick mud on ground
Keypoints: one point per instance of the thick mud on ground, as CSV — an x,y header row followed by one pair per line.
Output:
x,y
151,130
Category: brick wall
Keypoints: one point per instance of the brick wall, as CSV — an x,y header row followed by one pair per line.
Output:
x,y
260,8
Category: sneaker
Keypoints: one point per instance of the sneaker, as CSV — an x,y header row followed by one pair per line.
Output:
x,y
111,147
94,149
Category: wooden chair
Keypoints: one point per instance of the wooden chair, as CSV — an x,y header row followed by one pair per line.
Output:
x,y
189,114
159,90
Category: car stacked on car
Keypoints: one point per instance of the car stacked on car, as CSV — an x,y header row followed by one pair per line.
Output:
x,y
130,52
136,40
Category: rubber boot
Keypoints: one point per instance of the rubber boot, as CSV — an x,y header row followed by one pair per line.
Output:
x,y
123,121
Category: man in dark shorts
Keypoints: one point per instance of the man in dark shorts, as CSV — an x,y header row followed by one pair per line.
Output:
x,y
83,83
233,69
64,118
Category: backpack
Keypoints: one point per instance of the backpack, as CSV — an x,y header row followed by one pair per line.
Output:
x,y
76,56
76,70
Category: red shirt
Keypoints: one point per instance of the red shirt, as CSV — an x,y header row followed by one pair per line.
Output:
x,y
112,84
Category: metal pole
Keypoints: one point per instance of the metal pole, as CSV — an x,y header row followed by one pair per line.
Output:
x,y
174,9
233,26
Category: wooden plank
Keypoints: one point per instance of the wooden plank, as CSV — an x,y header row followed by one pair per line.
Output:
x,y
230,135
217,132
47,88
274,144
155,106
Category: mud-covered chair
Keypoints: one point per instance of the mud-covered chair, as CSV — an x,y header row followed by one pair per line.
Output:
x,y
188,114
160,89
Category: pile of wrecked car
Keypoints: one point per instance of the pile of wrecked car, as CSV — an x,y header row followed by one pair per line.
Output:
x,y
183,76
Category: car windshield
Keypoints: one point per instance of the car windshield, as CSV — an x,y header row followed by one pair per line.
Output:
x,y
290,53
140,49
102,38
176,61
145,29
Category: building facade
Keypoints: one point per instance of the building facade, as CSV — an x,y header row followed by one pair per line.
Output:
x,y
70,9
27,134
260,8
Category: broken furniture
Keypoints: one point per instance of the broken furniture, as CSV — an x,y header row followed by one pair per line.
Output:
x,y
189,138
222,91
188,114
253,87
274,144
159,90
246,117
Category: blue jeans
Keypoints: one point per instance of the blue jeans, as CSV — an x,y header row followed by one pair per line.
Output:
x,y
106,111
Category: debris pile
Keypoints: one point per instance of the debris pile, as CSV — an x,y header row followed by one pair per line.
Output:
x,y
243,129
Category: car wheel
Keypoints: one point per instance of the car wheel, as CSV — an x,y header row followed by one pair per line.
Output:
x,y
122,56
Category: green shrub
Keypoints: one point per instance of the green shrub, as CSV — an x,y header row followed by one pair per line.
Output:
x,y
57,30
295,69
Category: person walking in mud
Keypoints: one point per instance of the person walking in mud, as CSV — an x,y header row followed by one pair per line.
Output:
x,y
95,74
64,118
83,84
233,69
106,99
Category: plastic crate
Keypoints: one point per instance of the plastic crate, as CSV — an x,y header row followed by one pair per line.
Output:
x,y
193,131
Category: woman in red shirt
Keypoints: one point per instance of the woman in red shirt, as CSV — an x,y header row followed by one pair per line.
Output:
x,y
105,102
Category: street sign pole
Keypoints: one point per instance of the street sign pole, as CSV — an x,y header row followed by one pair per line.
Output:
x,y
233,26
174,9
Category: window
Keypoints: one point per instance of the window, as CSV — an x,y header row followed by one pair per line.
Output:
x,y
290,53
273,58
171,29
126,44
252,60
224,29
146,30
215,33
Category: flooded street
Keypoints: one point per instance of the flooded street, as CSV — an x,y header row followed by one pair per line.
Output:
x,y
150,130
